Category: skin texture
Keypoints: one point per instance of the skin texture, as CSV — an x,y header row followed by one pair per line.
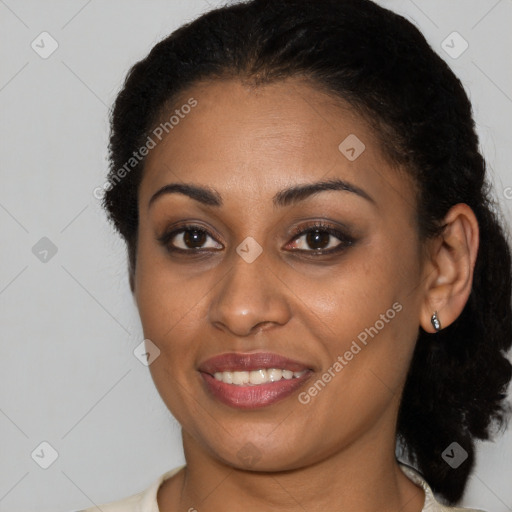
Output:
x,y
336,452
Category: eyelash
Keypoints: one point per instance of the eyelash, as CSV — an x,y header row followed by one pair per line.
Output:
x,y
345,240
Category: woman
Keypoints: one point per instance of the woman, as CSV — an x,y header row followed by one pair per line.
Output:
x,y
315,259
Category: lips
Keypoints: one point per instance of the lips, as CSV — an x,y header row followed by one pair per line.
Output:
x,y
228,378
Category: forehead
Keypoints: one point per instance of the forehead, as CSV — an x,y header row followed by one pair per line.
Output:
x,y
253,141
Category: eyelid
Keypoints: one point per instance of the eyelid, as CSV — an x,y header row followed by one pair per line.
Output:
x,y
322,225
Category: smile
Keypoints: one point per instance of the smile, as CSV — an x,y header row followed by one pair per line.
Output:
x,y
252,380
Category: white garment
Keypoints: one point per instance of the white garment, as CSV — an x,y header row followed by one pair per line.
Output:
x,y
145,501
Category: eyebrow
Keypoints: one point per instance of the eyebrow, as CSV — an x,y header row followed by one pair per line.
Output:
x,y
285,197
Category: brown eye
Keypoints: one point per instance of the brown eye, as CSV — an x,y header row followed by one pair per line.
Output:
x,y
321,239
318,239
193,239
189,238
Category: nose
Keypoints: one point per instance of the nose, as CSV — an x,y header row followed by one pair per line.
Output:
x,y
249,298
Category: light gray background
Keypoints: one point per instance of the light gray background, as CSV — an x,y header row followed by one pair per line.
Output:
x,y
69,326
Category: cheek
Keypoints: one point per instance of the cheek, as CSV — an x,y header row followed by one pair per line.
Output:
x,y
170,307
340,300
160,297
351,296
366,313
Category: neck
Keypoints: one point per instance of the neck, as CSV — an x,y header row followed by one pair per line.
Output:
x,y
363,476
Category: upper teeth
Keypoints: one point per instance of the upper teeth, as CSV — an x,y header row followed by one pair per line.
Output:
x,y
257,376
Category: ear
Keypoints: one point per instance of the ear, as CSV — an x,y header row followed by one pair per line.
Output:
x,y
448,276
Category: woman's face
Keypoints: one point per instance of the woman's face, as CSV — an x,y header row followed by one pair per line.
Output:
x,y
246,287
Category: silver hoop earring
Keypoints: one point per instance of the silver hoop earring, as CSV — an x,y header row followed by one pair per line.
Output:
x,y
435,322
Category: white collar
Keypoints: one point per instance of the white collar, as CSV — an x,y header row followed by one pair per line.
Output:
x,y
430,504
